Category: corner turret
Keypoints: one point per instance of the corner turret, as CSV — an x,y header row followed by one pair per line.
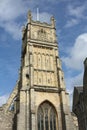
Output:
x,y
53,21
29,16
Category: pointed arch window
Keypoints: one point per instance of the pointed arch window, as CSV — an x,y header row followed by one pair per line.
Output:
x,y
47,117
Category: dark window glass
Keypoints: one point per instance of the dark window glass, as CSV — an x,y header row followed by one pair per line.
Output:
x,y
46,117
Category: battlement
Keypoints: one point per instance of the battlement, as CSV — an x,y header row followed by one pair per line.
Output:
x,y
30,20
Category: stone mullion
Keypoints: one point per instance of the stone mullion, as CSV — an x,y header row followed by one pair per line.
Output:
x,y
44,120
49,118
40,122
52,123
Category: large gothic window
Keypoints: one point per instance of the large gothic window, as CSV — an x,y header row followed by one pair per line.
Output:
x,y
47,117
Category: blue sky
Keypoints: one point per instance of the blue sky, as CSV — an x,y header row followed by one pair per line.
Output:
x,y
71,28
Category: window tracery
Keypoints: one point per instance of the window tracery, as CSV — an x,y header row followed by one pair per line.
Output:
x,y
47,117
41,34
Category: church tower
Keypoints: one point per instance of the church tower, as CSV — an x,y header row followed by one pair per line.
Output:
x,y
39,100
43,100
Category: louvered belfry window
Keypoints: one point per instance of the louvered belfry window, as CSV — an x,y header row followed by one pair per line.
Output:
x,y
47,117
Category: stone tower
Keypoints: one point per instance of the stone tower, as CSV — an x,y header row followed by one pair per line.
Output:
x,y
43,98
40,100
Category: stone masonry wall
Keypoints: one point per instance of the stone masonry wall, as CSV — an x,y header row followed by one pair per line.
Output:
x,y
6,119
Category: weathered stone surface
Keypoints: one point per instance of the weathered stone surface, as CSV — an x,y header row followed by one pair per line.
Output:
x,y
6,120
41,81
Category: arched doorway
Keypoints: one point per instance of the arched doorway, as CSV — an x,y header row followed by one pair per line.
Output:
x,y
47,117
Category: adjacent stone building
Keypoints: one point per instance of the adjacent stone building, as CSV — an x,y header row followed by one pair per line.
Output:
x,y
39,101
80,101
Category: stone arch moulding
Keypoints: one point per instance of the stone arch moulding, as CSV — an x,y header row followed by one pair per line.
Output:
x,y
47,117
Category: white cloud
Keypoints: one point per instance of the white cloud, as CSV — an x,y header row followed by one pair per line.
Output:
x,y
12,28
77,54
43,17
76,14
77,11
71,22
3,99
74,63
12,11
